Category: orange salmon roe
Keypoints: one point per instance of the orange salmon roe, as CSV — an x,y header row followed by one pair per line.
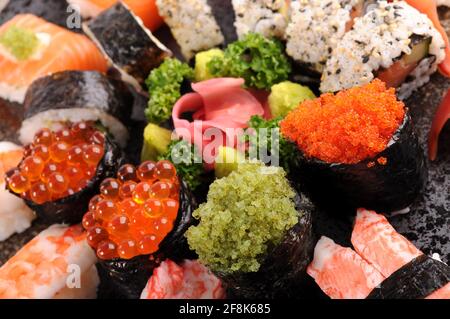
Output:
x,y
348,127
58,164
134,212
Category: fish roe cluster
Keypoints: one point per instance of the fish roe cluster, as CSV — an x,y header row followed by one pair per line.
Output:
x,y
58,164
348,127
134,212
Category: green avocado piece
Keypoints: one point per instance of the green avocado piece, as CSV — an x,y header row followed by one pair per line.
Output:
x,y
227,161
20,42
201,60
286,96
418,52
156,142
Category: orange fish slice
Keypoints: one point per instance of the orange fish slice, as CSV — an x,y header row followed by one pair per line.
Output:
x,y
65,50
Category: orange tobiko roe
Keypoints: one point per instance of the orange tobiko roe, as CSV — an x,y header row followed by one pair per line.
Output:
x,y
133,213
348,127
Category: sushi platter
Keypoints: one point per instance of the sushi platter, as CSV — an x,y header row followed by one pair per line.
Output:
x,y
224,149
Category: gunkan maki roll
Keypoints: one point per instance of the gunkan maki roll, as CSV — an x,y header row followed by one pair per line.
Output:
x,y
61,170
393,42
255,233
357,148
77,96
138,219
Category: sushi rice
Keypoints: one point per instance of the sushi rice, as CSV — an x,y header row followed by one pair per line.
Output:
x,y
315,29
54,119
267,17
192,24
376,41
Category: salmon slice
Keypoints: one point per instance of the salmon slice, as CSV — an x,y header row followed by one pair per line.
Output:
x,y
341,273
144,9
376,241
10,157
65,50
443,293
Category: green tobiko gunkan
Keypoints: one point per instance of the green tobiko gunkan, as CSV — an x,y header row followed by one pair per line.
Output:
x,y
246,212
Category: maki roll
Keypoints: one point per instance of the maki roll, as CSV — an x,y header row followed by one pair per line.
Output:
x,y
61,170
385,265
77,96
266,17
393,42
137,220
15,215
130,47
317,26
145,9
192,24
31,47
357,148
189,280
255,233
56,264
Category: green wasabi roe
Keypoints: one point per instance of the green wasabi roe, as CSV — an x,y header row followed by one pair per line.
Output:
x,y
260,61
201,60
246,213
286,96
164,86
156,142
20,42
187,161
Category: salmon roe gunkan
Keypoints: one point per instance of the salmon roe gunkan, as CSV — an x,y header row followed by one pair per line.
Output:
x,y
348,127
58,164
134,212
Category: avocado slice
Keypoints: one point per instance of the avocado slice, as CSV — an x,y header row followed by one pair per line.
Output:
x,y
419,50
227,160
156,142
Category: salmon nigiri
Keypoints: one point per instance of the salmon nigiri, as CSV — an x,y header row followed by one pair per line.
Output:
x,y
144,9
31,47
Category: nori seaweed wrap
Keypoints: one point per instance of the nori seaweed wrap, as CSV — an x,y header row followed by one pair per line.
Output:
x,y
123,273
77,96
130,47
250,266
68,207
282,273
390,187
386,181
416,280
